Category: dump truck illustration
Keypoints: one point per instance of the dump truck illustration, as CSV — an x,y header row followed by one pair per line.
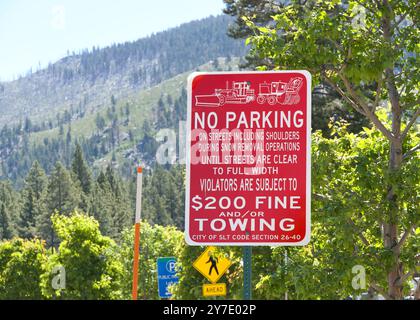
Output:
x,y
276,92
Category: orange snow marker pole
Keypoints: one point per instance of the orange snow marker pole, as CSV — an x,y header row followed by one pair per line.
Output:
x,y
137,235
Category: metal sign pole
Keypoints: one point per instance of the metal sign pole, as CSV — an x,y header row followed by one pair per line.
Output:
x,y
286,260
247,261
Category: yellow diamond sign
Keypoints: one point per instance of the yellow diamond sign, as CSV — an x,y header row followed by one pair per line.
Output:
x,y
212,264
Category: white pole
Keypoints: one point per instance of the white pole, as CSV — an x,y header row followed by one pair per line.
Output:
x,y
136,252
138,194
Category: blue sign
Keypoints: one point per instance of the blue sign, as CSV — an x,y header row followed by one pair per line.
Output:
x,y
166,273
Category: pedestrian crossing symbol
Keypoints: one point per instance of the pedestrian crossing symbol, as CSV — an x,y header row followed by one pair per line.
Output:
x,y
212,264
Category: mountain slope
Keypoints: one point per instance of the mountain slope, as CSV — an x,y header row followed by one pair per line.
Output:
x,y
86,81
121,133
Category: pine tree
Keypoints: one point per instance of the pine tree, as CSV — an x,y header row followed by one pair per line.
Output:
x,y
34,201
161,114
63,197
6,230
156,193
102,198
127,113
28,125
9,208
177,195
113,103
81,170
117,213
112,179
100,122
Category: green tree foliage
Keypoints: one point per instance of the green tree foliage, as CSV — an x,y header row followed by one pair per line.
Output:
x,y
81,170
191,281
367,51
63,196
155,241
9,209
21,267
260,11
163,196
34,196
102,204
347,212
111,204
327,104
267,264
92,268
6,227
162,114
148,144
100,122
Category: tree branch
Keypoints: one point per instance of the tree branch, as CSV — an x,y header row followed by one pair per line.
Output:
x,y
362,237
402,18
321,197
368,113
381,291
343,94
411,151
397,247
411,123
404,278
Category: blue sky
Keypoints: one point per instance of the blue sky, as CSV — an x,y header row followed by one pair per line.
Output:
x,y
35,32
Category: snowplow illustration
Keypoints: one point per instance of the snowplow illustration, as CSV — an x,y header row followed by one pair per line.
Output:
x,y
276,92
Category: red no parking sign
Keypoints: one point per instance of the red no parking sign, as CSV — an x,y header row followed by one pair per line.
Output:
x,y
248,158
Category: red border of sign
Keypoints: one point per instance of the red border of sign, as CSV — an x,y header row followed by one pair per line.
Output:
x,y
307,238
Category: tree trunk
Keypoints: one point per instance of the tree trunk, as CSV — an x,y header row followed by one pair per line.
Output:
x,y
391,221
417,292
395,160
395,273
391,226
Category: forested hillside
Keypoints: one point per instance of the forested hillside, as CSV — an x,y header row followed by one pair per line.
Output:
x,y
111,100
121,133
83,82
85,122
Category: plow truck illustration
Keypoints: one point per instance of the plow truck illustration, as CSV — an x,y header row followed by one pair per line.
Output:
x,y
241,93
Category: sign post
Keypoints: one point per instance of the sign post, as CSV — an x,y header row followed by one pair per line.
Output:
x,y
248,160
247,261
137,235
